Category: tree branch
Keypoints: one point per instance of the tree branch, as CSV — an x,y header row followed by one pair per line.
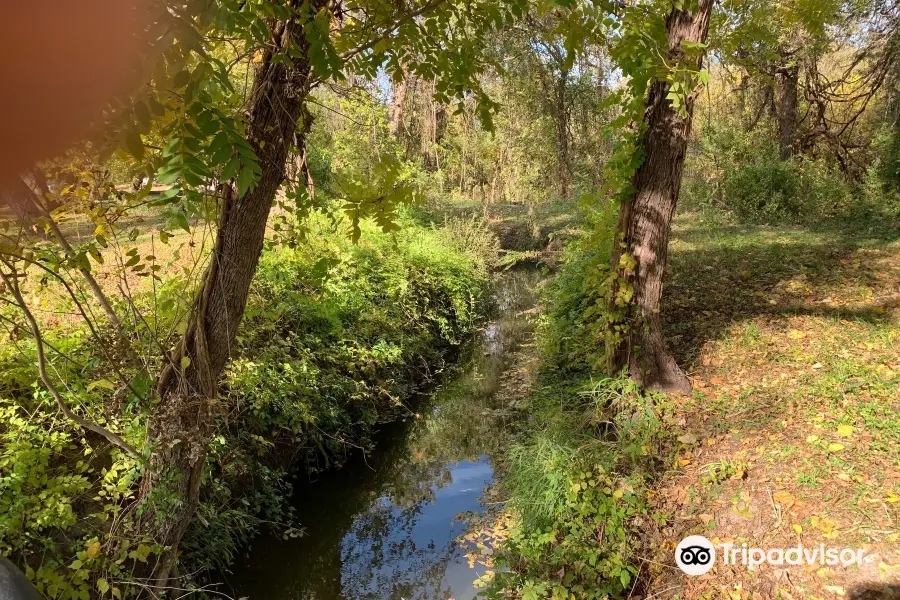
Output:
x,y
113,438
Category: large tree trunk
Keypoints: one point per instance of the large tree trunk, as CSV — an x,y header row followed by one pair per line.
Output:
x,y
645,222
788,76
563,156
181,424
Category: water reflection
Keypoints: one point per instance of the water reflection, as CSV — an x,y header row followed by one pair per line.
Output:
x,y
383,527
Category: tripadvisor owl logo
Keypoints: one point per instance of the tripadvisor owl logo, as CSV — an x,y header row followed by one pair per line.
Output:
x,y
695,555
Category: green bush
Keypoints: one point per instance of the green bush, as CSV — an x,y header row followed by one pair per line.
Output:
x,y
571,335
740,172
335,337
887,148
58,499
576,482
576,476
798,190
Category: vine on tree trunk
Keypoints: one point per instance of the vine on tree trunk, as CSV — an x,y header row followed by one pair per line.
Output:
x,y
645,174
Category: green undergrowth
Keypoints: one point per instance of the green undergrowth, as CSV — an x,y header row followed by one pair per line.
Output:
x,y
521,227
740,173
577,475
336,337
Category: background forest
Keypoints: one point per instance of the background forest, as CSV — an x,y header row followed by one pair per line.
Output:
x,y
261,252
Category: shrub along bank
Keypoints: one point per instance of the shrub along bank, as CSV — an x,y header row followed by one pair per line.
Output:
x,y
577,476
336,337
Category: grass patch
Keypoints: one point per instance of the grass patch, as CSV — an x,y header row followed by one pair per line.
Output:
x,y
791,427
795,373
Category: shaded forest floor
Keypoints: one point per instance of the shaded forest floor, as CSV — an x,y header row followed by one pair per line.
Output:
x,y
791,339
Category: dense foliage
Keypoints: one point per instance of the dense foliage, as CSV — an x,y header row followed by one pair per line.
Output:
x,y
317,369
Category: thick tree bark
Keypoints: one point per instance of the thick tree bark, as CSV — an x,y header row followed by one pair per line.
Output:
x,y
645,222
181,424
788,76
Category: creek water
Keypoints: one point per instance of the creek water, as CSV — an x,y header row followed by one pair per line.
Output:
x,y
384,526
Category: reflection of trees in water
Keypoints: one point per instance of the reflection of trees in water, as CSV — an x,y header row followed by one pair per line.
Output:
x,y
381,558
360,521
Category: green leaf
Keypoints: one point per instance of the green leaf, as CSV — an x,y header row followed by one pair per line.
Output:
x,y
95,253
220,148
140,553
101,383
156,108
142,113
180,219
102,585
169,194
245,181
134,144
181,79
231,169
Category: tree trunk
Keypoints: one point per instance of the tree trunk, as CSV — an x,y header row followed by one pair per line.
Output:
x,y
645,222
298,167
563,156
181,424
395,118
788,75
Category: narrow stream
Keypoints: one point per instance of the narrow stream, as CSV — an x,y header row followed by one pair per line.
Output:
x,y
385,525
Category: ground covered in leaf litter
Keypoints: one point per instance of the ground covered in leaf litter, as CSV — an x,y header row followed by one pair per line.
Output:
x,y
792,435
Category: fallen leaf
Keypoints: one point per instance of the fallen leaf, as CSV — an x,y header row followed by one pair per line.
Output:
x,y
835,447
845,430
825,525
785,499
688,438
797,528
812,439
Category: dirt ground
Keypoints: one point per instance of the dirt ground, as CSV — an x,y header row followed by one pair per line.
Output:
x,y
792,436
